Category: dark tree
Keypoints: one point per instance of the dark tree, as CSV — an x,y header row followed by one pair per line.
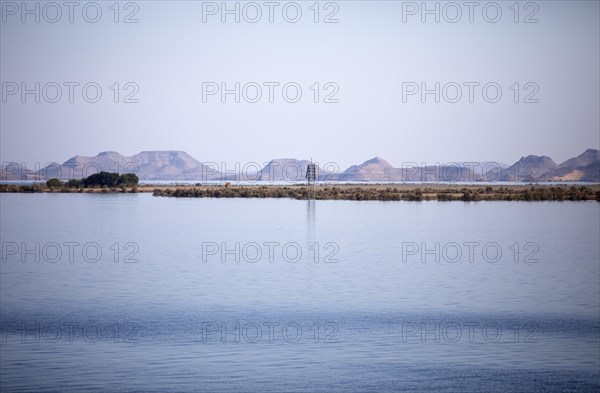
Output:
x,y
101,179
74,183
129,179
54,183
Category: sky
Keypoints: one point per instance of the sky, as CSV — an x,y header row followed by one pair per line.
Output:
x,y
163,70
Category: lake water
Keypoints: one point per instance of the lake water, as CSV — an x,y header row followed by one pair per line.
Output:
x,y
132,292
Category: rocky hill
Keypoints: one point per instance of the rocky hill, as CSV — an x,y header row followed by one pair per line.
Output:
x,y
530,168
178,165
148,165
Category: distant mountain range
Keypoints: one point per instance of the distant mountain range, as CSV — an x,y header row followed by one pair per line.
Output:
x,y
178,165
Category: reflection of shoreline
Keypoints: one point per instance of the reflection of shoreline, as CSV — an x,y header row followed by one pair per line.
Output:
x,y
311,215
311,226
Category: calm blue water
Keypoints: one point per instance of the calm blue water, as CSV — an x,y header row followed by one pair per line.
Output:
x,y
324,296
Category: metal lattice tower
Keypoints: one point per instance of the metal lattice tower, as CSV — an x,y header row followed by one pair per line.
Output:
x,y
311,178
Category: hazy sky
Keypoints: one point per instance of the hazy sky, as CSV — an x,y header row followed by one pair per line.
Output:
x,y
368,54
